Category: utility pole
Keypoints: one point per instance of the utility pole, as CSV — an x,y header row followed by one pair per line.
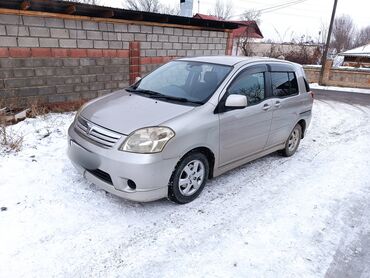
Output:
x,y
323,58
198,6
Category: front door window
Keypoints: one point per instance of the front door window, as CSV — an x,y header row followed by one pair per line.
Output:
x,y
250,85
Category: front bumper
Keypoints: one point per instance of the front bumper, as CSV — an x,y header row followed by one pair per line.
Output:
x,y
150,172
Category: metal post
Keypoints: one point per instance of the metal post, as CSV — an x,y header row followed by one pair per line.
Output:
x,y
323,58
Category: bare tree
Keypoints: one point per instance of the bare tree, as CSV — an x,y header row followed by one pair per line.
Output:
x,y
143,5
222,9
252,15
246,40
323,33
91,2
153,6
284,36
168,9
362,37
343,33
245,43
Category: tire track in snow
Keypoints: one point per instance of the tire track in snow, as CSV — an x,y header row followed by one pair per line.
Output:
x,y
241,224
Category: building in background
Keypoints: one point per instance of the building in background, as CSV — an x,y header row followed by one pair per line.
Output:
x,y
357,57
186,8
248,31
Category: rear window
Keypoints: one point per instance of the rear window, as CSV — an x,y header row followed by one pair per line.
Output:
x,y
284,84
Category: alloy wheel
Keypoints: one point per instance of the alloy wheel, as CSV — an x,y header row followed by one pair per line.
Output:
x,y
191,177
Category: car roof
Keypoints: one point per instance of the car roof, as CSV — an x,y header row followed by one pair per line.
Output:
x,y
232,60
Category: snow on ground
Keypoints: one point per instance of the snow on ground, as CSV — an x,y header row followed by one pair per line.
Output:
x,y
341,89
303,216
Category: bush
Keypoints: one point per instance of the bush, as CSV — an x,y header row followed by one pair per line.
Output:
x,y
9,140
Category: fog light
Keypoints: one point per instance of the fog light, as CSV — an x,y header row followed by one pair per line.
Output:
x,y
131,184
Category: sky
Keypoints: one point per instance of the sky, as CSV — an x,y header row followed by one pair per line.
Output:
x,y
305,18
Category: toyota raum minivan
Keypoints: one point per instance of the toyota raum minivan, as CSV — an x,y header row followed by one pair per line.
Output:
x,y
190,120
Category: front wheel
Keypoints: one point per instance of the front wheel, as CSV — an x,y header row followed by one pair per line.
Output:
x,y
189,178
293,141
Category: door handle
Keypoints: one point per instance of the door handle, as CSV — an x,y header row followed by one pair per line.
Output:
x,y
277,104
266,107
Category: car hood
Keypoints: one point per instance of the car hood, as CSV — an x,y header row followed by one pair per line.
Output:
x,y
124,112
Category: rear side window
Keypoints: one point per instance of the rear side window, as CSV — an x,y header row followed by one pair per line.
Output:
x,y
284,84
293,84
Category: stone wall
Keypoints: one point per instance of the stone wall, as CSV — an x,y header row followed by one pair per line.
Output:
x,y
342,77
312,73
59,58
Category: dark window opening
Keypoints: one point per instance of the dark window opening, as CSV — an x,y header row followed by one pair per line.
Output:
x,y
284,84
293,84
308,89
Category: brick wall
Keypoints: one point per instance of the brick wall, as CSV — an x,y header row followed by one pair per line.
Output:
x,y
53,59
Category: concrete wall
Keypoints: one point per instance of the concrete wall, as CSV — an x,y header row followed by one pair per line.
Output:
x,y
342,77
60,59
60,79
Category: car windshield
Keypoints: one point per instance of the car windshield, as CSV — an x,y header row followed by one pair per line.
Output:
x,y
184,81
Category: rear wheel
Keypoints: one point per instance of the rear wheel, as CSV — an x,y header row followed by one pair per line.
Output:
x,y
293,141
189,178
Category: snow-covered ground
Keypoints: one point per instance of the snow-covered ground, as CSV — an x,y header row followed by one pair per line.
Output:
x,y
304,216
340,89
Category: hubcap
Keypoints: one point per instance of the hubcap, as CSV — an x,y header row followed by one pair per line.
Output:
x,y
191,177
293,140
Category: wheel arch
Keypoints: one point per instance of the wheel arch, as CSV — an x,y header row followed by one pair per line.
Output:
x,y
303,125
209,155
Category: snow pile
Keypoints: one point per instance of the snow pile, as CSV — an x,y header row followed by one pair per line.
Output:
x,y
338,61
275,217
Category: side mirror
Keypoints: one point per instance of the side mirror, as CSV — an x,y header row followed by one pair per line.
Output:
x,y
236,101
137,79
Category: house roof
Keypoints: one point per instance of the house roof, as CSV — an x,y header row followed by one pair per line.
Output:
x,y
80,9
361,51
205,16
246,27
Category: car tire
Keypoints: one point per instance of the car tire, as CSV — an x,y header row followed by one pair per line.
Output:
x,y
188,178
292,143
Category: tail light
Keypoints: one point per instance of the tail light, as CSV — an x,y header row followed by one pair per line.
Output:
x,y
312,94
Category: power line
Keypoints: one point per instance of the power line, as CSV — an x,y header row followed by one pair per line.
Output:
x,y
287,4
276,7
305,7
299,15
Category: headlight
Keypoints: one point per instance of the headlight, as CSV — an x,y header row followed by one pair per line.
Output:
x,y
147,140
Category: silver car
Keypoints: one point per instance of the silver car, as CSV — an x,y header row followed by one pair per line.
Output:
x,y
189,121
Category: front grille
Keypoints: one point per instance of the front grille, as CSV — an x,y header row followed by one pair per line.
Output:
x,y
101,175
96,134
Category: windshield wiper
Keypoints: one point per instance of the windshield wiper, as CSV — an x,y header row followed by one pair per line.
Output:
x,y
148,92
157,95
180,99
